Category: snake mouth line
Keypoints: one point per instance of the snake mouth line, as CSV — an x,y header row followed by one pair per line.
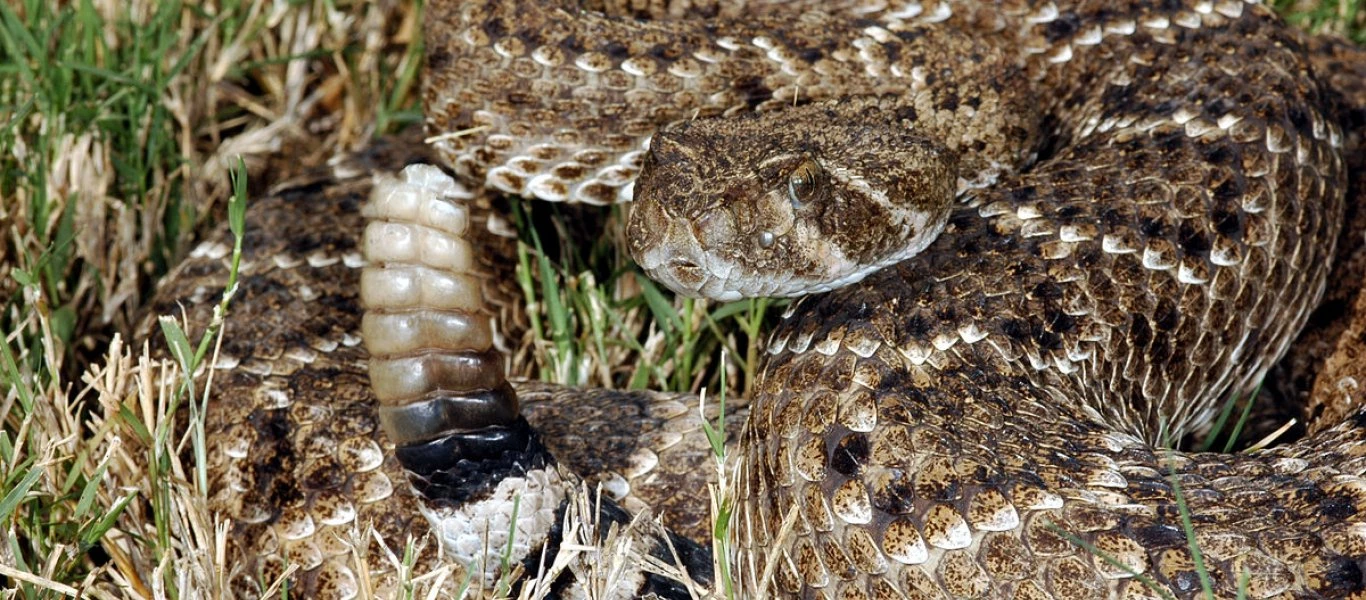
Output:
x,y
686,277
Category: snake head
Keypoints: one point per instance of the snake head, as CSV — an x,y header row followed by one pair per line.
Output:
x,y
786,204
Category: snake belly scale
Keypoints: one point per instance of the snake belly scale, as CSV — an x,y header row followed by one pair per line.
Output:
x,y
1148,198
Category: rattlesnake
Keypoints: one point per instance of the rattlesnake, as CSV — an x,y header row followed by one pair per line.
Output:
x,y
1150,198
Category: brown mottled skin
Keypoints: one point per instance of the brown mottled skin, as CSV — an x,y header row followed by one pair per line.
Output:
x,y
921,433
1155,247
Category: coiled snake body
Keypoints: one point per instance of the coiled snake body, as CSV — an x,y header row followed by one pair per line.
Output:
x,y
1149,195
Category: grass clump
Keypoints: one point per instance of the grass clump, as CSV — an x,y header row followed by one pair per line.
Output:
x,y
1342,17
119,125
622,330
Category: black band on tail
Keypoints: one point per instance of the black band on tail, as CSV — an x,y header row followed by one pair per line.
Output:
x,y
467,466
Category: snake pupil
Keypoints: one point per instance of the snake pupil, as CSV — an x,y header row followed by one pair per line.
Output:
x,y
803,182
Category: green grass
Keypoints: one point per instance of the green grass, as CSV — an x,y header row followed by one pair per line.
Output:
x,y
620,329
1343,17
120,123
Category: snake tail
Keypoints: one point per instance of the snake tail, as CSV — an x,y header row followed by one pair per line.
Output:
x,y
490,485
493,492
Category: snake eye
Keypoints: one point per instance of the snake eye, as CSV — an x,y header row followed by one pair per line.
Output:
x,y
804,182
766,239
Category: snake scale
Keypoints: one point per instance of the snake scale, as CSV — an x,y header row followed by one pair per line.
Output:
x,y
1054,234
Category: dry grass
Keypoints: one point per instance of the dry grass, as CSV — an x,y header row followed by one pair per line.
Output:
x,y
120,121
